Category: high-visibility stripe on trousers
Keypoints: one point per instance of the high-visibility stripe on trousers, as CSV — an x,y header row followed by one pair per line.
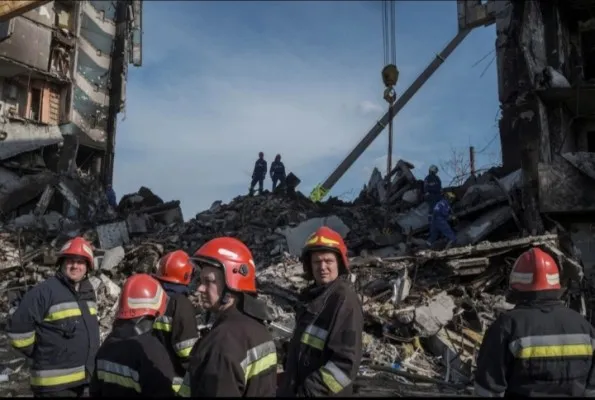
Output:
x,y
163,323
184,347
548,346
22,340
118,374
315,337
54,377
335,379
259,359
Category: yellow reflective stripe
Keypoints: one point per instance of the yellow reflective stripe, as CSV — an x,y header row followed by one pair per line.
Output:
x,y
318,193
259,359
124,381
63,310
163,323
92,307
332,376
22,340
177,383
57,376
184,348
315,337
323,240
184,390
312,341
546,346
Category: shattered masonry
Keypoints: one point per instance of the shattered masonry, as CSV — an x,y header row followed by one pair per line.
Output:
x,y
426,309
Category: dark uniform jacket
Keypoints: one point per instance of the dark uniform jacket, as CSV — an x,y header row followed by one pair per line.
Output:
x,y
260,169
537,349
324,355
177,330
432,188
277,170
237,358
57,327
132,362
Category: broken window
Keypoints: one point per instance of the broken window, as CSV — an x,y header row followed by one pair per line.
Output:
x,y
34,105
588,50
6,29
52,102
60,59
64,11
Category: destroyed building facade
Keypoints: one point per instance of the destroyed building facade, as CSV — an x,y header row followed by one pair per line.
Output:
x,y
63,70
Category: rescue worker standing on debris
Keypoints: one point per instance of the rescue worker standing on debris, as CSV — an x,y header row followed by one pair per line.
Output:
x,y
324,355
131,362
176,329
259,173
439,223
432,189
111,196
237,358
56,326
540,348
277,172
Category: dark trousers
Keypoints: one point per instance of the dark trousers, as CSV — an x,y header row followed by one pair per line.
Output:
x,y
260,184
277,180
79,391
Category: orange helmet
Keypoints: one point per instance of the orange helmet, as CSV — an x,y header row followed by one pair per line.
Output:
x,y
236,260
141,295
175,267
324,239
78,247
533,271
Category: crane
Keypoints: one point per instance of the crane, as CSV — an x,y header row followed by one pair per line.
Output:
x,y
13,8
322,189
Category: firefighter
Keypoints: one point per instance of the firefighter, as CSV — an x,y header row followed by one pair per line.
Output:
x,y
132,362
540,348
176,329
237,357
277,172
440,221
259,173
56,325
324,354
432,189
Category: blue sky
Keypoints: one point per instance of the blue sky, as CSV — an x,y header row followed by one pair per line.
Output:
x,y
224,80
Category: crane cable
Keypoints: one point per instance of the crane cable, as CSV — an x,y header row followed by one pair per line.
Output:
x,y
390,75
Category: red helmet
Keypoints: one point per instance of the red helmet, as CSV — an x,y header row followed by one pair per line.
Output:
x,y
324,239
236,260
175,267
78,247
141,295
533,271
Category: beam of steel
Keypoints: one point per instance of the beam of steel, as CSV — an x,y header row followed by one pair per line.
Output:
x,y
12,8
327,185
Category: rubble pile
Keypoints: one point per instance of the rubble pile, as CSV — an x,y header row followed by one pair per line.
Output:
x,y
425,309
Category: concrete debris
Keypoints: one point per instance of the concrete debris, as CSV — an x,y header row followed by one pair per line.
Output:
x,y
425,309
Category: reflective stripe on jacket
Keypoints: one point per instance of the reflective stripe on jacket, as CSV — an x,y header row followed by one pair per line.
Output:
x,y
237,358
325,352
537,349
58,329
177,330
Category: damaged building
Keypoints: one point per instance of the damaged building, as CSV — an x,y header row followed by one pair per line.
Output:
x,y
63,70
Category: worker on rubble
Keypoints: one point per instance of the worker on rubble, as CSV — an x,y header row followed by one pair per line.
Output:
x,y
432,189
237,357
324,354
111,196
176,328
259,173
540,348
277,172
56,325
440,221
132,362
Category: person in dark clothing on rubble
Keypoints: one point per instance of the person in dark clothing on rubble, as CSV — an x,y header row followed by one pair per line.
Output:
x,y
238,357
440,221
111,196
540,348
277,172
259,173
132,362
56,326
432,189
176,329
324,354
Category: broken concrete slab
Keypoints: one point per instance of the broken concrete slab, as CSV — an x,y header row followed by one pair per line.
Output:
x,y
112,235
415,219
484,225
20,137
112,258
431,318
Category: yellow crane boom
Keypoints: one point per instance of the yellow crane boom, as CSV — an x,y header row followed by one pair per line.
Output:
x,y
13,8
